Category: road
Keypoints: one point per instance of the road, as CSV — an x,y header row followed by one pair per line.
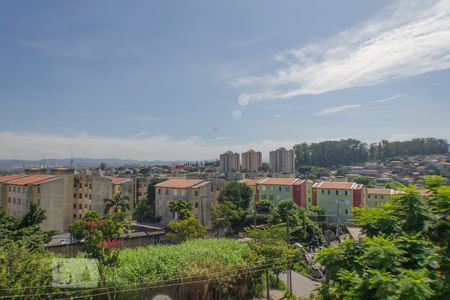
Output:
x,y
302,286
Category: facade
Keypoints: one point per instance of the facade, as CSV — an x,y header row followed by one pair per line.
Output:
x,y
282,161
338,198
196,191
251,161
278,189
229,162
45,190
377,197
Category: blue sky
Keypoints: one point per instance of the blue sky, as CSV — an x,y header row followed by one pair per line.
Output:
x,y
191,79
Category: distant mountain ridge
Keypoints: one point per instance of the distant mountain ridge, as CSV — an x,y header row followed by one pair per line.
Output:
x,y
80,162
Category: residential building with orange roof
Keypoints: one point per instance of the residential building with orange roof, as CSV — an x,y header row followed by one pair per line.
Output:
x,y
338,198
278,189
378,196
195,191
45,190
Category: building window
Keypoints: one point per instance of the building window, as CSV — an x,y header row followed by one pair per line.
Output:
x,y
382,197
14,200
80,195
74,216
337,192
80,206
19,201
167,191
90,196
271,197
263,197
85,195
159,191
39,189
196,193
10,188
9,199
79,216
14,189
279,188
85,206
75,205
323,192
346,211
346,193
90,207
86,185
74,195
175,192
196,204
329,192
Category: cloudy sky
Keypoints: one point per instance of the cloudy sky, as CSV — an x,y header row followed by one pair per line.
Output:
x,y
185,80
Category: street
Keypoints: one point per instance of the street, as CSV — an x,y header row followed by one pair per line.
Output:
x,y
302,286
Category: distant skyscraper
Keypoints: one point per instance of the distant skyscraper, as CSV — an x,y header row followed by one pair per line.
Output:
x,y
251,160
229,162
282,161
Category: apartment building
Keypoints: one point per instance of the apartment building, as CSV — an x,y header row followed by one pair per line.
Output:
x,y
251,161
378,196
278,189
338,198
3,191
196,191
282,161
229,162
45,190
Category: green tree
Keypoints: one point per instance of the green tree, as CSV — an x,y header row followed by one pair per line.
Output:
x,y
367,181
100,238
117,204
238,193
181,209
183,230
264,206
227,215
405,254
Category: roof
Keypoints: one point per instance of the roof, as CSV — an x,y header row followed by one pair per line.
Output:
x,y
376,191
249,182
180,183
337,185
279,181
118,180
11,177
33,179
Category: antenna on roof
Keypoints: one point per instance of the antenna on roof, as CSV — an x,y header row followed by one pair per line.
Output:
x,y
71,159
43,166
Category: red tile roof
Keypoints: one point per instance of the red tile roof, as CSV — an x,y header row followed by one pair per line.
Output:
x,y
337,185
279,181
179,183
11,177
33,179
377,191
249,182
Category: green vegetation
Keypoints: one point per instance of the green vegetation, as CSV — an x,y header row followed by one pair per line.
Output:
x,y
117,204
405,254
367,181
188,228
145,210
313,172
238,193
350,151
181,209
23,260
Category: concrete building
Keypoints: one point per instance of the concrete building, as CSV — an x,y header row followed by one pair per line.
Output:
x,y
342,195
196,191
45,190
251,161
278,189
282,161
377,196
229,162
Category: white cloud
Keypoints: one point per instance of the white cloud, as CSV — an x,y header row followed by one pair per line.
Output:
x,y
139,134
333,110
405,39
34,145
387,99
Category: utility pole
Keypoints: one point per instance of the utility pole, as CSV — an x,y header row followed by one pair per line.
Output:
x,y
267,285
288,238
254,212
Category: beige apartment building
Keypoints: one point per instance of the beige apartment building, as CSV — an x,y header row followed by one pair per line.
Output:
x,y
282,161
229,162
196,191
251,161
45,190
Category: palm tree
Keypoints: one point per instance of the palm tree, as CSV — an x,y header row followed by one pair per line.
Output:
x,y
117,204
